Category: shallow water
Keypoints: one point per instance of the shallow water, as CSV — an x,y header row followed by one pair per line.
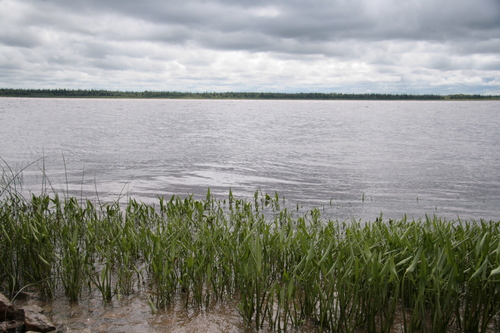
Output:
x,y
132,314
355,159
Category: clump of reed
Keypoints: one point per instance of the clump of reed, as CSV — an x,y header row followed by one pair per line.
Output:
x,y
283,269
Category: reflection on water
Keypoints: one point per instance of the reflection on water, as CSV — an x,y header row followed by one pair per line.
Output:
x,y
403,157
131,314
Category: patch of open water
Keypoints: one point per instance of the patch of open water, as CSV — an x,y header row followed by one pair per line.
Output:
x,y
401,157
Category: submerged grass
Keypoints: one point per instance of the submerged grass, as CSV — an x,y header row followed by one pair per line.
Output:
x,y
283,269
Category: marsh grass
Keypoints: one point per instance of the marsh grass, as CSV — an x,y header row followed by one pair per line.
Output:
x,y
284,270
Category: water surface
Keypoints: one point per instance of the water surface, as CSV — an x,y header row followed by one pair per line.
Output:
x,y
354,159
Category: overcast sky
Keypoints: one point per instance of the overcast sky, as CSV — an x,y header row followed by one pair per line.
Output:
x,y
348,46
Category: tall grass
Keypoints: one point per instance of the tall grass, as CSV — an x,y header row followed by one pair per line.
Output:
x,y
283,269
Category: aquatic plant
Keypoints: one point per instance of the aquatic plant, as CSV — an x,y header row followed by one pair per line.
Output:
x,y
283,268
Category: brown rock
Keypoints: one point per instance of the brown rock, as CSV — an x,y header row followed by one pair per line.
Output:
x,y
8,312
16,314
11,325
31,317
5,304
4,299
37,322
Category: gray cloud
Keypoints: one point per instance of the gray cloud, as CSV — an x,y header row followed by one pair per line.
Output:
x,y
314,45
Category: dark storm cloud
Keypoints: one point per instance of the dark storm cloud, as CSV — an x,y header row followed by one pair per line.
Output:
x,y
308,43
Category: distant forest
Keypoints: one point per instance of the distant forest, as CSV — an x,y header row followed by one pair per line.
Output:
x,y
82,93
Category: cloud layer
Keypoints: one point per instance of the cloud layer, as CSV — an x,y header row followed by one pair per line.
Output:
x,y
384,46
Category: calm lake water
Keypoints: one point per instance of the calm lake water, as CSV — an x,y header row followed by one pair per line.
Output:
x,y
353,159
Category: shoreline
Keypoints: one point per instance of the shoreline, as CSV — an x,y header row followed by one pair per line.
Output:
x,y
98,94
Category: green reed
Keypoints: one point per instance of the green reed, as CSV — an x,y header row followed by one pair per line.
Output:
x,y
283,268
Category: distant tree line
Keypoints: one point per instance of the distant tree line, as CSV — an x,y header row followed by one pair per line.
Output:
x,y
92,93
